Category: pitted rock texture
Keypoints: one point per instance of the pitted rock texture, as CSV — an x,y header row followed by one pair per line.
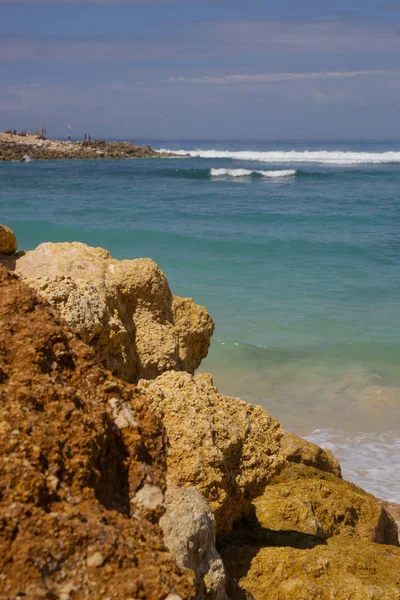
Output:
x,y
324,509
342,569
8,241
299,451
189,532
123,309
82,468
224,446
313,536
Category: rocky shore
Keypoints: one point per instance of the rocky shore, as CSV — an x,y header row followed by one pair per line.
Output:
x,y
18,147
124,473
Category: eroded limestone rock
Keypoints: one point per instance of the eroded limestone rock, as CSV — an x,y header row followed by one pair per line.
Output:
x,y
324,509
342,569
299,451
8,241
394,511
82,468
123,309
189,533
224,446
310,536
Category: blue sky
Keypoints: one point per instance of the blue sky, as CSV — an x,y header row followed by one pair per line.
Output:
x,y
158,69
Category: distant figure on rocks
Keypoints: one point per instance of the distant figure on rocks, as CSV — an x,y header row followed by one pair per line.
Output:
x,y
86,137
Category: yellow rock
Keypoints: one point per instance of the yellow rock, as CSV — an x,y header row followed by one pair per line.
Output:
x,y
343,569
8,241
325,509
123,309
224,446
297,450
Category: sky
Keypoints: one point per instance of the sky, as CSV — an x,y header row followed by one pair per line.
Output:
x,y
199,69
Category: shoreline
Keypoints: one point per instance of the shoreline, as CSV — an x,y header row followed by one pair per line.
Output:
x,y
99,379
22,148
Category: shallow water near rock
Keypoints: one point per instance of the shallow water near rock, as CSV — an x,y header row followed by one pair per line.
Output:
x,y
297,262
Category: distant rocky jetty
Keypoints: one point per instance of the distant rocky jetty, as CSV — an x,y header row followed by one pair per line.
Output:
x,y
162,488
24,147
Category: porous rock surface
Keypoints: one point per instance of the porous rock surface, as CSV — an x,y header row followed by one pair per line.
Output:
x,y
313,536
82,468
341,569
189,532
299,451
224,446
324,509
8,241
123,309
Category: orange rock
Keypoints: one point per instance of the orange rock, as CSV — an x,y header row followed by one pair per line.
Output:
x,y
80,453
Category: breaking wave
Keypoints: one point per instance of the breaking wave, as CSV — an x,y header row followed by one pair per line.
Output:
x,y
249,173
307,156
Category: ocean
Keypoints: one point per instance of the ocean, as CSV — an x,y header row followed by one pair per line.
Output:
x,y
294,248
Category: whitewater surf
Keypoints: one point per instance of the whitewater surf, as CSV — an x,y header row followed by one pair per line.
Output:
x,y
327,157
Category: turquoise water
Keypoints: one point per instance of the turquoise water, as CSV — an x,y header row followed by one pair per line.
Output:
x,y
296,256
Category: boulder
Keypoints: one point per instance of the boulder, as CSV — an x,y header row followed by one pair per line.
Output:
x,y
82,468
324,509
8,241
394,511
341,569
123,309
299,451
224,446
310,536
189,533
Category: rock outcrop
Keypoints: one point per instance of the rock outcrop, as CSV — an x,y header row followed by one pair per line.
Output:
x,y
83,456
342,569
123,309
302,452
224,446
82,468
297,542
8,241
16,147
189,533
325,509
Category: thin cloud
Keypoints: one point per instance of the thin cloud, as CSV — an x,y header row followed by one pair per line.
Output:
x,y
277,77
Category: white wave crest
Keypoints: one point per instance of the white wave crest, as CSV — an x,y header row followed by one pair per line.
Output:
x,y
249,173
370,460
307,156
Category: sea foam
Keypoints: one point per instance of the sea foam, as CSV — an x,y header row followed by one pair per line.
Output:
x,y
307,156
249,173
371,460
